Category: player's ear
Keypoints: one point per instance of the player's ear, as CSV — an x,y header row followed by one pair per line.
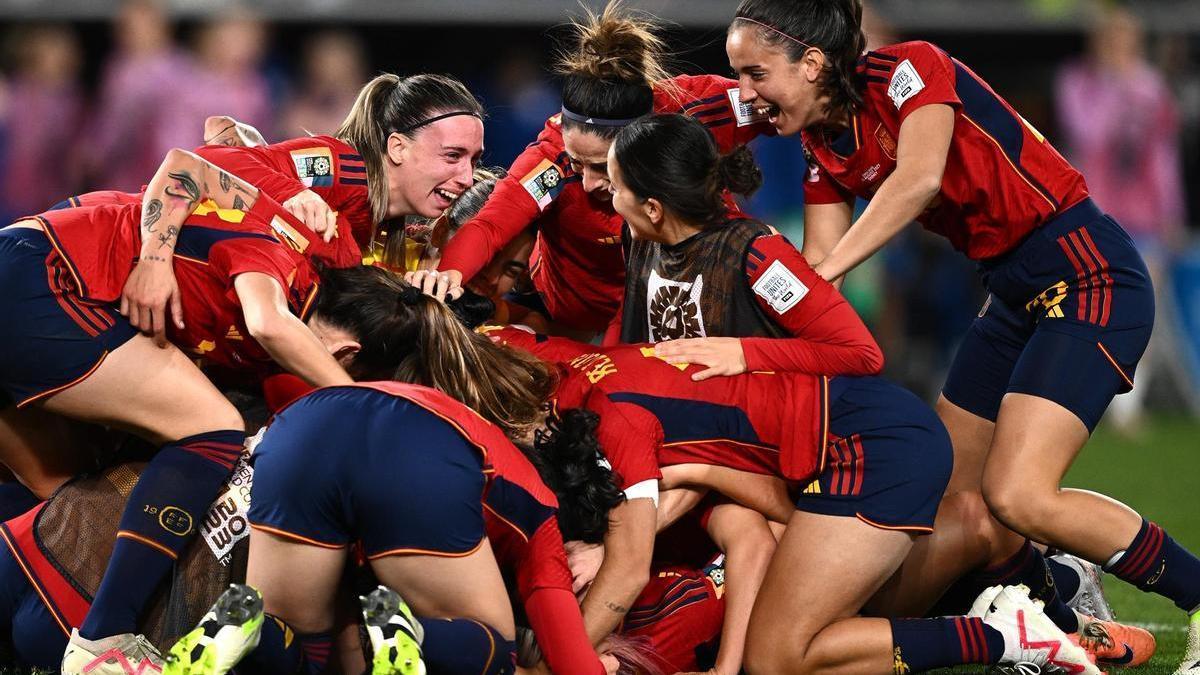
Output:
x,y
812,64
397,146
654,211
344,352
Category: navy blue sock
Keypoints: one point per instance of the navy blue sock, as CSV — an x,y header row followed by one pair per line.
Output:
x,y
1156,564
162,515
924,644
466,647
15,500
1066,578
283,651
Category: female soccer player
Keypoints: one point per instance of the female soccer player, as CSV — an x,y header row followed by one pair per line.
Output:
x,y
559,184
407,147
245,296
695,272
473,500
1070,306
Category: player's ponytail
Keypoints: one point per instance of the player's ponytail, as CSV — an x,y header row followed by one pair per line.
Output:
x,y
567,456
392,104
610,70
833,26
673,159
507,387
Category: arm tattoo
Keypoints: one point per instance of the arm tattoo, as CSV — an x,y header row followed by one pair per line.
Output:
x,y
226,182
151,214
167,237
185,183
239,203
153,258
619,609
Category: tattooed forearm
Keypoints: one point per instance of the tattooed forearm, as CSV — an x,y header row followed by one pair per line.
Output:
x,y
151,213
226,182
153,258
239,203
185,182
612,606
167,237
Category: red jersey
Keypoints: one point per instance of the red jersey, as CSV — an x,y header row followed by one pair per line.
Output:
x,y
324,164
653,414
100,244
1002,178
577,263
519,516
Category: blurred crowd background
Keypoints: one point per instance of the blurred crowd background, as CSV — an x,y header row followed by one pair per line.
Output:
x,y
96,102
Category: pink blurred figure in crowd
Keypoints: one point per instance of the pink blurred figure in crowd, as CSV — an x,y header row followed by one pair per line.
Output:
x,y
335,68
44,112
145,71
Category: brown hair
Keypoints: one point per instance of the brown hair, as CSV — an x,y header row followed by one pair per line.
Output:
x,y
611,68
391,104
506,386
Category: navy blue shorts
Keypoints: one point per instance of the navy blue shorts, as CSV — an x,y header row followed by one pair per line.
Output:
x,y
1068,317
347,464
888,459
50,338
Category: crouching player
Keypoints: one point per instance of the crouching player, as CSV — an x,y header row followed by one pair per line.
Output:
x,y
432,541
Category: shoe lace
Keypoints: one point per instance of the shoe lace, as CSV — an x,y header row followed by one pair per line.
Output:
x,y
1095,633
1018,668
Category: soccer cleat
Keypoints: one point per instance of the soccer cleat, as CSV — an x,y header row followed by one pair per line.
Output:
x,y
395,634
1030,638
1115,644
1089,599
228,632
124,654
1191,656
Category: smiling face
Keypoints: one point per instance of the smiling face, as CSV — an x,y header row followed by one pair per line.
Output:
x,y
787,92
428,170
644,216
588,155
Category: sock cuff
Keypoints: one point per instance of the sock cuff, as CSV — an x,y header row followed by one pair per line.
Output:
x,y
1141,553
1011,565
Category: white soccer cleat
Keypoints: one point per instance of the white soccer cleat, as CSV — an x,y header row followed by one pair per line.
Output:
x,y
124,654
983,603
1089,600
1031,638
1191,656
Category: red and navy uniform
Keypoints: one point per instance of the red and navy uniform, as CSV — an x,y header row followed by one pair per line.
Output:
x,y
326,165
1071,305
680,612
389,492
63,281
38,605
577,264
864,446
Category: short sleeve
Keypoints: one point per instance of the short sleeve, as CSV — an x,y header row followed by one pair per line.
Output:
x,y
819,188
921,75
241,255
629,437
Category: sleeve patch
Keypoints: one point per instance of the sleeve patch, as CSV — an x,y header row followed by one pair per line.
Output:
x,y
780,288
314,166
543,183
905,83
744,112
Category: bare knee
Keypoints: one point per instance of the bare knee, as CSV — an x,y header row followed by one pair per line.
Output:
x,y
773,647
1018,504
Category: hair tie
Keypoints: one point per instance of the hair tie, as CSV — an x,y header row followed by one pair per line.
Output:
x,y
773,29
411,295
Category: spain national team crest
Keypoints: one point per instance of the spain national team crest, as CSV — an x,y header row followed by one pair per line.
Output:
x,y
314,166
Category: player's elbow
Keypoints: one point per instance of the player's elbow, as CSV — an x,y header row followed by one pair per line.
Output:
x,y
178,158
269,327
873,359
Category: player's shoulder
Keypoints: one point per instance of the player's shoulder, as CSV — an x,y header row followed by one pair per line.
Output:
x,y
679,93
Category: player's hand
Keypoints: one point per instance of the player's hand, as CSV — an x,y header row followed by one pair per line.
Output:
x,y
722,356
224,130
313,212
584,561
439,284
150,292
610,663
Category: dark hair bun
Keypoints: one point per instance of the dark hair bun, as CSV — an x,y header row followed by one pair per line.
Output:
x,y
739,172
472,309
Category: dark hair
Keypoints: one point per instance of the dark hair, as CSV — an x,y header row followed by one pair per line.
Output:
x,y
391,104
567,456
833,26
673,158
610,70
